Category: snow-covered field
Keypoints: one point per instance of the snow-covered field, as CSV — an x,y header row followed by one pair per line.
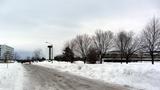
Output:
x,y
138,75
11,76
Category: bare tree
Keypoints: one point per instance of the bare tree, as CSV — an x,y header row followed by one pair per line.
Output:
x,y
71,44
28,58
151,37
82,45
37,54
103,42
16,56
120,42
127,44
7,56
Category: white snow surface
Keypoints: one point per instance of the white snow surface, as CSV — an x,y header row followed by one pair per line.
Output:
x,y
143,76
11,77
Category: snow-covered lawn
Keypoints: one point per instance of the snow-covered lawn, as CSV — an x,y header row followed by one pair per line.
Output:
x,y
11,76
138,75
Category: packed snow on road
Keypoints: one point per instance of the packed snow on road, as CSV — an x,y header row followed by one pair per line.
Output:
x,y
11,76
143,76
42,78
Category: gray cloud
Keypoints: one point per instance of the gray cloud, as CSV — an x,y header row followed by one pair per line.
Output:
x,y
62,11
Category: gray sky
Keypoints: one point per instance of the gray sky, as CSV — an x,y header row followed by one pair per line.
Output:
x,y
28,24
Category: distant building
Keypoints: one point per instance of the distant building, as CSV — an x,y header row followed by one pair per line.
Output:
x,y
6,52
115,56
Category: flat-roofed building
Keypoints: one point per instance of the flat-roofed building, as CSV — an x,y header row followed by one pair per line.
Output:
x,y
115,56
6,52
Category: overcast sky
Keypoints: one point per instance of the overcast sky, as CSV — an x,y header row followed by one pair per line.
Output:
x,y
28,24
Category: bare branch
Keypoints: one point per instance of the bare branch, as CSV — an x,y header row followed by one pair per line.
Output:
x,y
151,37
103,42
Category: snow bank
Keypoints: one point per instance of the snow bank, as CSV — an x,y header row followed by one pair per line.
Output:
x,y
11,76
138,75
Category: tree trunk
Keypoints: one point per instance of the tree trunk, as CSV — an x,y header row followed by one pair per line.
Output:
x,y
127,60
121,57
152,56
84,59
100,57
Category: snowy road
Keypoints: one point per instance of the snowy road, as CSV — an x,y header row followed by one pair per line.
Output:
x,y
41,78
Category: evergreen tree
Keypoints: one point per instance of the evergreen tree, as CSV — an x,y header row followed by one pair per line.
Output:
x,y
68,54
92,56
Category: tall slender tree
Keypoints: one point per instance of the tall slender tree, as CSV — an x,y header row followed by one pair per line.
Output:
x,y
127,44
151,37
82,45
103,42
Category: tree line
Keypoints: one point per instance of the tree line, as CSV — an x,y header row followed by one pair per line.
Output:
x,y
37,56
94,48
